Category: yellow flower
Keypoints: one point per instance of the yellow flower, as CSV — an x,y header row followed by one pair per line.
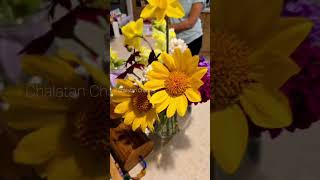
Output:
x,y
251,46
177,80
133,104
133,33
144,55
115,61
60,142
113,54
160,38
159,9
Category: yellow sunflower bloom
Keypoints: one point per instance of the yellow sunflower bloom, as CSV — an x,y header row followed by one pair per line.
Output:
x,y
133,32
251,46
133,103
60,145
177,79
159,9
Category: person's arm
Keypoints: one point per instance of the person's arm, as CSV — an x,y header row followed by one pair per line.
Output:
x,y
191,20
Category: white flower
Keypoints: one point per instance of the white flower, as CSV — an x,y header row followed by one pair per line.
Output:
x,y
140,75
177,43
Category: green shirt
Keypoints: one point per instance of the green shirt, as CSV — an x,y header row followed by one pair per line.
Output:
x,y
196,31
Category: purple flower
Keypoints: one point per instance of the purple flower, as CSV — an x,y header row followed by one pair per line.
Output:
x,y
303,89
308,9
114,75
205,88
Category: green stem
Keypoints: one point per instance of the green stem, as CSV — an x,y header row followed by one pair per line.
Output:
x,y
167,34
145,40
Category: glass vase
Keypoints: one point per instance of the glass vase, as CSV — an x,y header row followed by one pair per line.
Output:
x,y
168,127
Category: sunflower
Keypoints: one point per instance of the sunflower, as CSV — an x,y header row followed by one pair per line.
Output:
x,y
177,80
250,61
160,9
67,135
133,104
133,33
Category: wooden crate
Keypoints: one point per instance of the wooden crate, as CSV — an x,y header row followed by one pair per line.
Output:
x,y
127,146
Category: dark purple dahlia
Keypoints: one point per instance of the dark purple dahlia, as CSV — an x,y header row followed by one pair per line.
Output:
x,y
308,9
205,88
303,89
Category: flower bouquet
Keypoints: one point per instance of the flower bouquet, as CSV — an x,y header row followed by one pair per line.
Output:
x,y
56,117
161,79
257,86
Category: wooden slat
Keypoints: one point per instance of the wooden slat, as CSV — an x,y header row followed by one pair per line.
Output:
x,y
114,171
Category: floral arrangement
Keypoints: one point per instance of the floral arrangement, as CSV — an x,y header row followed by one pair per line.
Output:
x,y
260,71
65,139
302,88
60,109
158,82
250,92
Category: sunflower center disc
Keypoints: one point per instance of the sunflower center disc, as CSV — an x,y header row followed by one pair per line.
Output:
x,y
177,83
140,101
230,69
91,125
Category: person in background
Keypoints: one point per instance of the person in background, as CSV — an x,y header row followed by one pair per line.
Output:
x,y
189,28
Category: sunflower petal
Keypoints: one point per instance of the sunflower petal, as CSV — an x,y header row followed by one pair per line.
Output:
x,y
159,97
125,83
63,168
229,137
137,122
148,12
159,68
178,59
175,10
193,95
46,140
182,104
99,76
287,40
269,68
24,120
254,14
168,61
54,70
120,93
154,85
196,83
201,71
163,105
152,75
122,107
172,108
265,108
34,98
129,117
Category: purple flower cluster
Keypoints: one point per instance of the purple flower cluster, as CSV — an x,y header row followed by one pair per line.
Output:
x,y
205,88
303,89
308,9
